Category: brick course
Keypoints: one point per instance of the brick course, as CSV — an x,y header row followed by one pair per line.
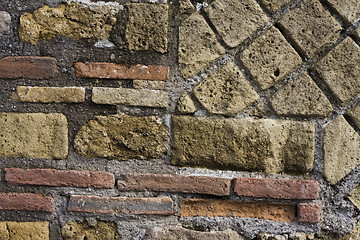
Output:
x,y
26,201
309,213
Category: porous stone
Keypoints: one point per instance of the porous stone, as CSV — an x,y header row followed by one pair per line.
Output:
x,y
236,20
301,97
354,114
5,21
83,230
186,6
226,91
340,69
28,230
198,47
355,197
147,26
270,58
75,20
261,110
348,9
274,6
33,135
353,235
311,26
149,84
267,145
185,104
4,233
291,236
176,232
341,144
122,137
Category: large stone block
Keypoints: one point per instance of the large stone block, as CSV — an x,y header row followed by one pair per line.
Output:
x,y
100,230
274,6
354,114
27,230
348,9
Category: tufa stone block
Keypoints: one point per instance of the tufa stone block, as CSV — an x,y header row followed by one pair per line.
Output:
x,y
348,9
354,114
25,230
82,230
149,84
274,6
185,105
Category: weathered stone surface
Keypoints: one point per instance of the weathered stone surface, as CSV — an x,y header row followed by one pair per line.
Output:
x,y
243,144
340,69
349,9
236,20
226,208
198,47
82,230
353,235
4,233
33,135
176,233
261,110
274,6
341,144
122,137
185,104
147,26
270,58
311,26
186,6
5,21
149,84
80,21
291,236
129,96
354,114
301,97
25,231
355,197
226,91
50,94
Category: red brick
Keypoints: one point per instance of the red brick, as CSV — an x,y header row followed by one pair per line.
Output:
x,y
175,183
310,213
121,205
26,201
226,208
28,67
58,178
276,188
121,71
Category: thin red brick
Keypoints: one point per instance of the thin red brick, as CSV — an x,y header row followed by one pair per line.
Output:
x,y
121,71
121,205
310,213
26,201
58,178
175,183
276,188
28,67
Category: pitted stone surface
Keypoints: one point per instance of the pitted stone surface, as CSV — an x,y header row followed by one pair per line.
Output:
x,y
270,58
355,197
226,91
198,47
341,144
243,144
186,6
83,230
340,69
301,97
274,6
236,20
185,104
26,231
354,114
5,21
311,26
122,137
147,27
349,9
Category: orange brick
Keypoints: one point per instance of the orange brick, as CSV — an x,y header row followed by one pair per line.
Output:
x,y
26,201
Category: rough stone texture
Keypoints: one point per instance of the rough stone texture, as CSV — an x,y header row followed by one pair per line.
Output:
x,y
354,234
291,236
58,178
236,20
311,26
349,9
186,6
33,135
50,94
122,137
121,205
4,233
24,230
274,6
26,201
270,58
5,21
243,144
340,70
354,114
74,20
198,47
147,26
222,208
341,144
147,84
355,196
301,97
175,183
28,67
276,188
129,96
309,213
82,230
261,110
176,233
121,71
226,91
185,105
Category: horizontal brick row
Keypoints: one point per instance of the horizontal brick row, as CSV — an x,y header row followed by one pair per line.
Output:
x,y
26,201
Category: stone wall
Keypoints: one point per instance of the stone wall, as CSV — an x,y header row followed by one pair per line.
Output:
x,y
180,119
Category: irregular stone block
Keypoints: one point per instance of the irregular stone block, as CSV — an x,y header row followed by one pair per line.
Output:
x,y
26,202
270,58
82,230
26,230
311,26
198,47
4,233
5,21
274,6
341,144
301,97
33,135
236,20
122,137
266,145
348,9
185,104
147,26
340,69
226,91
186,7
147,84
354,114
